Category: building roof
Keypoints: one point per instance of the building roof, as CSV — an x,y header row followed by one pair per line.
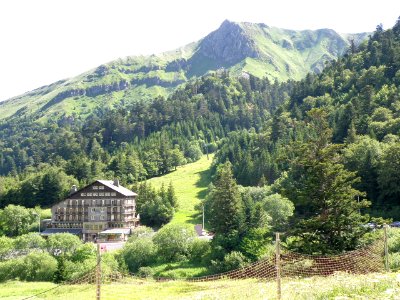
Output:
x,y
120,189
116,231
50,231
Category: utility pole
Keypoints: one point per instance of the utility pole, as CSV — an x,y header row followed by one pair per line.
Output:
x,y
203,217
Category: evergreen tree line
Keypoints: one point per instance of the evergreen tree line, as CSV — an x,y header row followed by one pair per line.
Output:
x,y
141,140
360,97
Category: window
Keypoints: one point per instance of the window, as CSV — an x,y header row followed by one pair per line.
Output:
x,y
101,187
112,202
103,202
76,202
101,194
102,209
83,202
102,217
70,202
95,187
106,194
93,218
113,194
92,209
118,202
93,202
112,217
89,194
95,194
83,194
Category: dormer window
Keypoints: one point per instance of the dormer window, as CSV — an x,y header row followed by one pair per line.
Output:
x,y
101,187
95,187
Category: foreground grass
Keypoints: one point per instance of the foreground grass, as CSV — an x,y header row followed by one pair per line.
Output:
x,y
341,286
190,182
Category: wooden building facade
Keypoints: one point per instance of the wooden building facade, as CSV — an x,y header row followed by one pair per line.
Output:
x,y
96,208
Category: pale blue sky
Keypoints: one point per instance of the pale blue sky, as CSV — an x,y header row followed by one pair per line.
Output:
x,y
43,41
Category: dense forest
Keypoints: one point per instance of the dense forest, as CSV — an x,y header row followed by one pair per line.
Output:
x,y
251,122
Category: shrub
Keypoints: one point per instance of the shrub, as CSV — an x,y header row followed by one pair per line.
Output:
x,y
84,252
6,246
145,272
394,261
255,244
232,261
65,242
174,241
38,266
141,231
138,254
29,241
200,249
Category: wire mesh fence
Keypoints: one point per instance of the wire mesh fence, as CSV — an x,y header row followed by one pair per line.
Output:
x,y
269,278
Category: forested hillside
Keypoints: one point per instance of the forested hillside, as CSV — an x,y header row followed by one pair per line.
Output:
x,y
251,121
360,95
148,138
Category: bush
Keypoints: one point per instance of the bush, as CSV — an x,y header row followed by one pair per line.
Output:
x,y
141,231
174,241
38,266
29,241
139,254
200,250
394,240
232,261
65,242
84,252
394,261
145,272
255,244
6,246
10,268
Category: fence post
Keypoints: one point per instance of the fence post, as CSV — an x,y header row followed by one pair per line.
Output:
x,y
98,273
278,265
385,240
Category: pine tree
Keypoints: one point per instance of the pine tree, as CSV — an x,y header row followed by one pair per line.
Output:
x,y
328,213
226,203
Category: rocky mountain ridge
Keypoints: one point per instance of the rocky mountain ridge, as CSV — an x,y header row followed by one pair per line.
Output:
x,y
251,48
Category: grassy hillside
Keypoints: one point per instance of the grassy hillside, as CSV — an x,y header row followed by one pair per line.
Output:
x,y
257,49
190,183
340,286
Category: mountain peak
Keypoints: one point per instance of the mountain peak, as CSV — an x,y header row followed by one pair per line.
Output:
x,y
228,44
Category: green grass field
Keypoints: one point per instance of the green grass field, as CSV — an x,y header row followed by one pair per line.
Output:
x,y
341,286
190,183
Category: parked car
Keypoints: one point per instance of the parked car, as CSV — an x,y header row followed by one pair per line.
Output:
x,y
395,224
370,225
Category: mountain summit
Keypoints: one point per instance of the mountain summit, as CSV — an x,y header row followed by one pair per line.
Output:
x,y
229,44
252,48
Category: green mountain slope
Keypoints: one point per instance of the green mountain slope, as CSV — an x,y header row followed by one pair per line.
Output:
x,y
190,183
242,48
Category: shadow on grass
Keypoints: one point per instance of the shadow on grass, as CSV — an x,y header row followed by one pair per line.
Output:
x,y
203,182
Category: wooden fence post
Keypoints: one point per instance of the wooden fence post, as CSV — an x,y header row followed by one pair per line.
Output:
x,y
385,240
278,265
98,273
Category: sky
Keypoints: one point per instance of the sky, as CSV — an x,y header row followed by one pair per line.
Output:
x,y
42,41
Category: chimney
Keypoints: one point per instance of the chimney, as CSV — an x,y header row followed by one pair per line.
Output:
x,y
74,189
116,182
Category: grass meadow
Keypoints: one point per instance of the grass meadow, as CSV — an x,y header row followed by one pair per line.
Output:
x,y
339,287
